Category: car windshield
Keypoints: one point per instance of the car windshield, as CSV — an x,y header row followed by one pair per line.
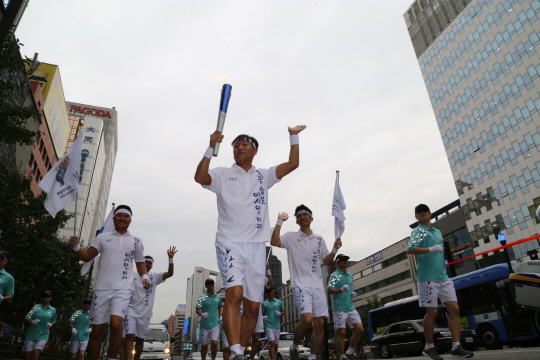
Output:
x,y
157,335
285,343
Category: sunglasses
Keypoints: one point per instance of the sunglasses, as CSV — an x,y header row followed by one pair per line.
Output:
x,y
419,211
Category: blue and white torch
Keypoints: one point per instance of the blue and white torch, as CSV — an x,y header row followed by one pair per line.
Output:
x,y
223,105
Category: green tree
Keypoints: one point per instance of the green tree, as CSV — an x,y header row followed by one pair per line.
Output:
x,y
13,115
39,260
374,302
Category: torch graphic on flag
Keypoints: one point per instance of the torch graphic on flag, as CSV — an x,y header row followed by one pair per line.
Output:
x,y
108,226
338,205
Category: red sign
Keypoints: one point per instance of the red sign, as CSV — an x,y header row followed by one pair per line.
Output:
x,y
89,111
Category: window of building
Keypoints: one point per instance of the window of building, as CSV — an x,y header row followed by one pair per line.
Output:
x,y
38,175
385,282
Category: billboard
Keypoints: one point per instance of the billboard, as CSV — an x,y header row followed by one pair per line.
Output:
x,y
55,105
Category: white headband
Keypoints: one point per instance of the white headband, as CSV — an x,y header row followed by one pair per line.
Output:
x,y
303,212
125,211
146,259
247,139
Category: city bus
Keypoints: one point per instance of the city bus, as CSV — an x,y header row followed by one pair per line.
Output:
x,y
486,305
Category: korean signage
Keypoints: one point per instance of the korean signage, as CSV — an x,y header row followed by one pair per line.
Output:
x,y
374,258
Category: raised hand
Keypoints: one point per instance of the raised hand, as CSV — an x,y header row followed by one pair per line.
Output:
x,y
338,243
216,137
73,241
172,251
283,216
297,129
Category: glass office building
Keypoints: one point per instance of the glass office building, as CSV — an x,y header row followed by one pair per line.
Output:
x,y
480,63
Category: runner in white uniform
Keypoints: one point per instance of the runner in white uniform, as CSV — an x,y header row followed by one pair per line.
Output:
x,y
243,228
119,249
305,250
140,307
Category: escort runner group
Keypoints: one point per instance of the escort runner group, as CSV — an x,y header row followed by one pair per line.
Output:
x,y
124,298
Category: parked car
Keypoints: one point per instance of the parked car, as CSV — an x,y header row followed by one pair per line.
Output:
x,y
407,337
283,351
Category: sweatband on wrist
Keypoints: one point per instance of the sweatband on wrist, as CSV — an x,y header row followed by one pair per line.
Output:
x,y
145,276
334,250
268,272
294,140
76,248
171,261
279,222
209,153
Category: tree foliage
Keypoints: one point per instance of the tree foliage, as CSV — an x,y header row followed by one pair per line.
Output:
x,y
39,260
374,302
13,115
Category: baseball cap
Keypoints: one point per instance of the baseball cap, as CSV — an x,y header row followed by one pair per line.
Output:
x,y
342,257
420,208
4,255
87,302
268,290
208,281
46,293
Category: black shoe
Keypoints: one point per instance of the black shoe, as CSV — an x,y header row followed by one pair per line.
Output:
x,y
293,354
460,352
431,353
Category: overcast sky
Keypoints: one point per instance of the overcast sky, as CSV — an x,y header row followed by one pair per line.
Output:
x,y
346,69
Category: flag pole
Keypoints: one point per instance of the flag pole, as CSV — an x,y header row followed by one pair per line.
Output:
x,y
81,123
337,173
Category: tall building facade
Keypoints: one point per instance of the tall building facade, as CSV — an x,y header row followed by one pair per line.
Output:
x,y
274,264
179,318
98,151
481,68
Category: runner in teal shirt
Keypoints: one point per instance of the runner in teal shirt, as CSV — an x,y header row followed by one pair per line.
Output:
x,y
340,286
7,284
79,322
430,266
343,300
46,315
209,307
270,308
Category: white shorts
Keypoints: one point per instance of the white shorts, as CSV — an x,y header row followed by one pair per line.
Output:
x,y
273,335
429,291
137,326
224,341
310,300
243,264
30,345
108,302
343,318
207,335
77,346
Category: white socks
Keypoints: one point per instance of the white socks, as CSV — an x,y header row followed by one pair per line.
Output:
x,y
350,350
296,347
343,356
237,349
312,357
429,346
455,345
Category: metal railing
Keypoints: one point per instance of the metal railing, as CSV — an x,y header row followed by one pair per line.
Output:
x,y
12,341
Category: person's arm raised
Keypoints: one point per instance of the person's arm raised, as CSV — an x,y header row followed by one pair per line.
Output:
x,y
170,271
294,154
275,240
84,255
330,257
201,175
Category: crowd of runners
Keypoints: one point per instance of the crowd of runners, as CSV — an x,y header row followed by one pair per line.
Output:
x,y
124,298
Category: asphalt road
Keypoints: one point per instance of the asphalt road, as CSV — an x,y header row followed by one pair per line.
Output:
x,y
506,354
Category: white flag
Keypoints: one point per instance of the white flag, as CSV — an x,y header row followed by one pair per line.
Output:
x,y
338,205
62,182
108,226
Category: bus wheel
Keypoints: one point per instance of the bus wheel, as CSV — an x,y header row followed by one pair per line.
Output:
x,y
489,337
537,320
385,352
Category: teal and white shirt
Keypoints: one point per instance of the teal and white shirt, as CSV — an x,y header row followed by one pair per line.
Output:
x,y
7,284
40,331
269,308
342,301
79,319
430,266
209,304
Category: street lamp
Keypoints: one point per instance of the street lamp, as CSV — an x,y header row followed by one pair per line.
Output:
x,y
502,240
